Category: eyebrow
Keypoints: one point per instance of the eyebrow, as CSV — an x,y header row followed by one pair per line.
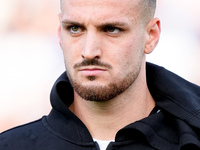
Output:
x,y
67,22
106,24
114,24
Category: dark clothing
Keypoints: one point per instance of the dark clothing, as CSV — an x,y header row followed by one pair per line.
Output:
x,y
176,126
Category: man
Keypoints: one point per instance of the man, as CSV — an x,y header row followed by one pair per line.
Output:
x,y
109,97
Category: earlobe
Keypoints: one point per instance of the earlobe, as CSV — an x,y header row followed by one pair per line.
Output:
x,y
153,34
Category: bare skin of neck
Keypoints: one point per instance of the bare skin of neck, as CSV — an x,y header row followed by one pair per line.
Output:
x,y
105,119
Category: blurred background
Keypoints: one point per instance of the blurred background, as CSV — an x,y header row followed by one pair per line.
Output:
x,y
31,59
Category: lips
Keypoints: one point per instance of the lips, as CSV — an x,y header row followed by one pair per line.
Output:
x,y
92,71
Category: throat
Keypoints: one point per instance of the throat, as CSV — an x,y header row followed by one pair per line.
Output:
x,y
105,119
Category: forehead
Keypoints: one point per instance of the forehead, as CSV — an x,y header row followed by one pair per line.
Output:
x,y
99,9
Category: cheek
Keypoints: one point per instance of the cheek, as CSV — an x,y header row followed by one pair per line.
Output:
x,y
71,52
128,51
130,55
68,58
121,57
69,46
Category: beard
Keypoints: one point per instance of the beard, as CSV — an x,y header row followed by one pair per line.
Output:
x,y
103,93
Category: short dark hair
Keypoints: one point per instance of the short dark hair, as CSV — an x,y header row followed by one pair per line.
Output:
x,y
147,9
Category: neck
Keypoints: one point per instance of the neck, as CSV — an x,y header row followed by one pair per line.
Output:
x,y
105,119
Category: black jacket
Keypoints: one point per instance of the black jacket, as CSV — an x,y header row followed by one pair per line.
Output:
x,y
176,126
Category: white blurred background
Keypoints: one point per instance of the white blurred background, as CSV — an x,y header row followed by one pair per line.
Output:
x,y
31,59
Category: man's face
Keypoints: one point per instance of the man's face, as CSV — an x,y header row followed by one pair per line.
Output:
x,y
103,45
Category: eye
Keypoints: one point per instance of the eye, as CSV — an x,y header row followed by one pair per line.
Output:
x,y
74,29
112,30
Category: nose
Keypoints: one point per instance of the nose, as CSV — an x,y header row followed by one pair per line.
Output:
x,y
91,48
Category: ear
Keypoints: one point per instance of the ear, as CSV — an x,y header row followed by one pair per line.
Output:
x,y
59,28
152,35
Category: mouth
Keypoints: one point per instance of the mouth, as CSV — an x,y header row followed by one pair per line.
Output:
x,y
91,71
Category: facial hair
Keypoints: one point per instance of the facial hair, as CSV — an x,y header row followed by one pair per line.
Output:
x,y
102,93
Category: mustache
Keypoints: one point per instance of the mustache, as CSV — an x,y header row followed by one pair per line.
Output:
x,y
92,62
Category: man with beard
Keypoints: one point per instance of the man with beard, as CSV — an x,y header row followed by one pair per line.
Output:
x,y
109,97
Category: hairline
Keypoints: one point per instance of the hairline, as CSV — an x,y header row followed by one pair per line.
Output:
x,y
147,10
146,7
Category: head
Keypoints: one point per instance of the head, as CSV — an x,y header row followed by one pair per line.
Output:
x,y
104,44
147,10
146,7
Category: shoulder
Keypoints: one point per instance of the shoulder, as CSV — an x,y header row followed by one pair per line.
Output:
x,y
21,128
22,136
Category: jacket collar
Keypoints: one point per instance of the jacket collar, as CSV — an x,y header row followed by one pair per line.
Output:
x,y
172,94
65,123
